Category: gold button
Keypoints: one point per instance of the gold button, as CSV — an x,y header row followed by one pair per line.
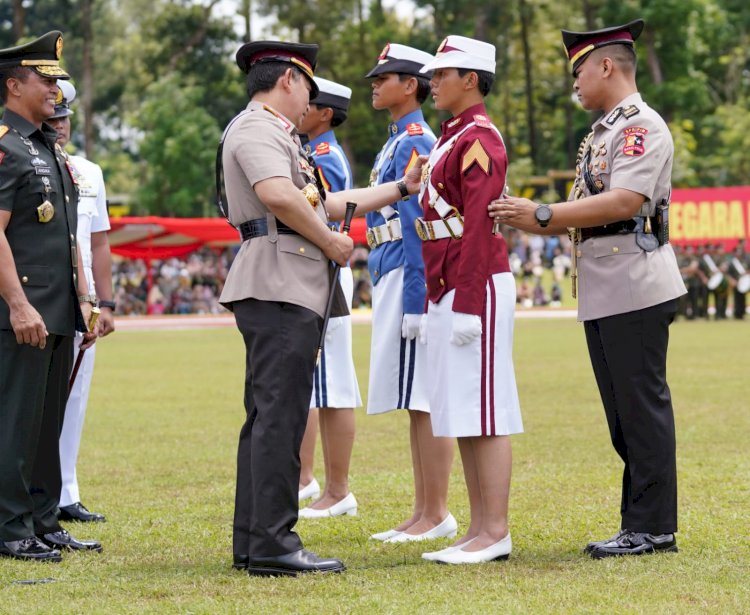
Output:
x,y
25,279
440,185
377,273
615,249
302,250
67,199
578,253
442,282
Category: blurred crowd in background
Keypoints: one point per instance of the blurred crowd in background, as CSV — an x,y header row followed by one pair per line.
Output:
x,y
717,280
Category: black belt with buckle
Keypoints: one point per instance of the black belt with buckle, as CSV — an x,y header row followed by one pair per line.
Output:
x,y
259,228
616,228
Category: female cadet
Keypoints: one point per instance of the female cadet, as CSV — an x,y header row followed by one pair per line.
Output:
x,y
471,296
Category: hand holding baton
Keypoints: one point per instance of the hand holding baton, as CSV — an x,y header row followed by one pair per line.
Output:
x,y
95,311
346,225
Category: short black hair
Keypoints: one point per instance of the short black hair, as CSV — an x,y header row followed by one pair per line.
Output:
x,y
423,85
15,72
486,79
624,55
262,76
339,115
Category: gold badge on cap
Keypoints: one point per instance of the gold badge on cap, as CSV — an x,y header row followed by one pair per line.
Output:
x,y
442,45
45,212
58,47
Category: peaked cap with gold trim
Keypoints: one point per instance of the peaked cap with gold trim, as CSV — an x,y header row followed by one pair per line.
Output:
x,y
303,56
42,55
578,45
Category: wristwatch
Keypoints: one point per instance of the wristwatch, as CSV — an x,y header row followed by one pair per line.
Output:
x,y
87,299
543,215
103,303
403,189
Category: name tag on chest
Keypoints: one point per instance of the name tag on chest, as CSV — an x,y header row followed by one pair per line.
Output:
x,y
43,170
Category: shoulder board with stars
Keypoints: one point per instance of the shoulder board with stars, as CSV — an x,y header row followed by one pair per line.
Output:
x,y
630,111
323,148
414,129
482,121
3,130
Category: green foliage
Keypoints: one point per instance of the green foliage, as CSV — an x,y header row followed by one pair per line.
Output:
x,y
694,68
177,150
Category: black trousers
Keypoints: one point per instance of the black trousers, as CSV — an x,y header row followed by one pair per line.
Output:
x,y
629,355
33,393
739,305
280,343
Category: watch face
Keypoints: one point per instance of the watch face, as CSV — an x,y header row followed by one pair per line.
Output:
x,y
543,214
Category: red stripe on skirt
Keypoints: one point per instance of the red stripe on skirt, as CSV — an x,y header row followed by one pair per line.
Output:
x,y
491,375
483,403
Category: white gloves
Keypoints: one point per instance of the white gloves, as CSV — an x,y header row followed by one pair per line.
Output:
x,y
465,327
410,326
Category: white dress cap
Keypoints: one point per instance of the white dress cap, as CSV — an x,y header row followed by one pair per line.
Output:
x,y
462,52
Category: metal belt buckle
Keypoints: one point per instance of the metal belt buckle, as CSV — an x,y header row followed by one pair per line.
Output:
x,y
418,223
391,229
370,239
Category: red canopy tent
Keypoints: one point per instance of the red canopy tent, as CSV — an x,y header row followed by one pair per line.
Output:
x,y
152,237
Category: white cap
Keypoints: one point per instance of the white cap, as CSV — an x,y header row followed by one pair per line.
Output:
x,y
461,52
65,96
332,94
400,59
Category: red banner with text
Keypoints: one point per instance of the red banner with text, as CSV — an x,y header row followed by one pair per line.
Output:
x,y
710,215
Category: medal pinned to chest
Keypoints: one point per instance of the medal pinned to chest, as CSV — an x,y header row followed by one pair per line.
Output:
x,y
46,211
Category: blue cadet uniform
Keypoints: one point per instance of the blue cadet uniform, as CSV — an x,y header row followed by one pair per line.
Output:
x,y
397,365
335,380
410,137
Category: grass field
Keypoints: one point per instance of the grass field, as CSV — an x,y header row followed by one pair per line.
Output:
x,y
158,459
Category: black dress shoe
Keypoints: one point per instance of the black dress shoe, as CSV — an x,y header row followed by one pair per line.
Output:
x,y
636,543
598,543
29,549
63,540
78,512
292,564
240,562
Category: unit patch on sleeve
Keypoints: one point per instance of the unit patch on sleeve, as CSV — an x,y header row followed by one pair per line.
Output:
x,y
412,160
635,139
322,148
482,121
414,129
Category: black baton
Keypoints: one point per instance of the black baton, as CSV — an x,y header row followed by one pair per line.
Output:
x,y
350,207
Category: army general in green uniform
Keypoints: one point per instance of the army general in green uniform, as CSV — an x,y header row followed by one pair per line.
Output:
x,y
40,293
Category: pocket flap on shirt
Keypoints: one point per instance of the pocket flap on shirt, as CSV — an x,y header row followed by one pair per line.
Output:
x,y
33,275
296,244
614,245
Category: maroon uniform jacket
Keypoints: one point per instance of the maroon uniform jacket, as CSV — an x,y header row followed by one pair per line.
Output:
x,y
468,177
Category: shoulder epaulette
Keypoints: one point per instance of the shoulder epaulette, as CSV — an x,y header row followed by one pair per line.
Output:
x,y
482,121
3,130
630,111
323,148
414,129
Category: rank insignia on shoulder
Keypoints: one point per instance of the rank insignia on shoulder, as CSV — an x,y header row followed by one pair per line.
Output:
x,y
630,111
321,149
482,121
455,122
3,131
414,129
614,116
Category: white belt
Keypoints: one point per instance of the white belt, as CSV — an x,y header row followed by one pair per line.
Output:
x,y
432,230
390,231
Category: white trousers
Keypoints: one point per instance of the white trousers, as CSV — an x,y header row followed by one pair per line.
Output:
x,y
75,412
335,379
398,367
473,389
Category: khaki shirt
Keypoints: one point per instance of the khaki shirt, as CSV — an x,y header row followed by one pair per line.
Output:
x,y
631,148
261,144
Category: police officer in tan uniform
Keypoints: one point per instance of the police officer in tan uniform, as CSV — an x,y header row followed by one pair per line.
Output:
x,y
628,279
277,288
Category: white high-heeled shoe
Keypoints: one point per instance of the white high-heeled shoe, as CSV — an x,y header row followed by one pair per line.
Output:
x,y
310,490
433,555
447,528
383,536
347,506
500,550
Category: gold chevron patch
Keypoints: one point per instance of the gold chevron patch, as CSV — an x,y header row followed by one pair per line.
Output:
x,y
476,154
